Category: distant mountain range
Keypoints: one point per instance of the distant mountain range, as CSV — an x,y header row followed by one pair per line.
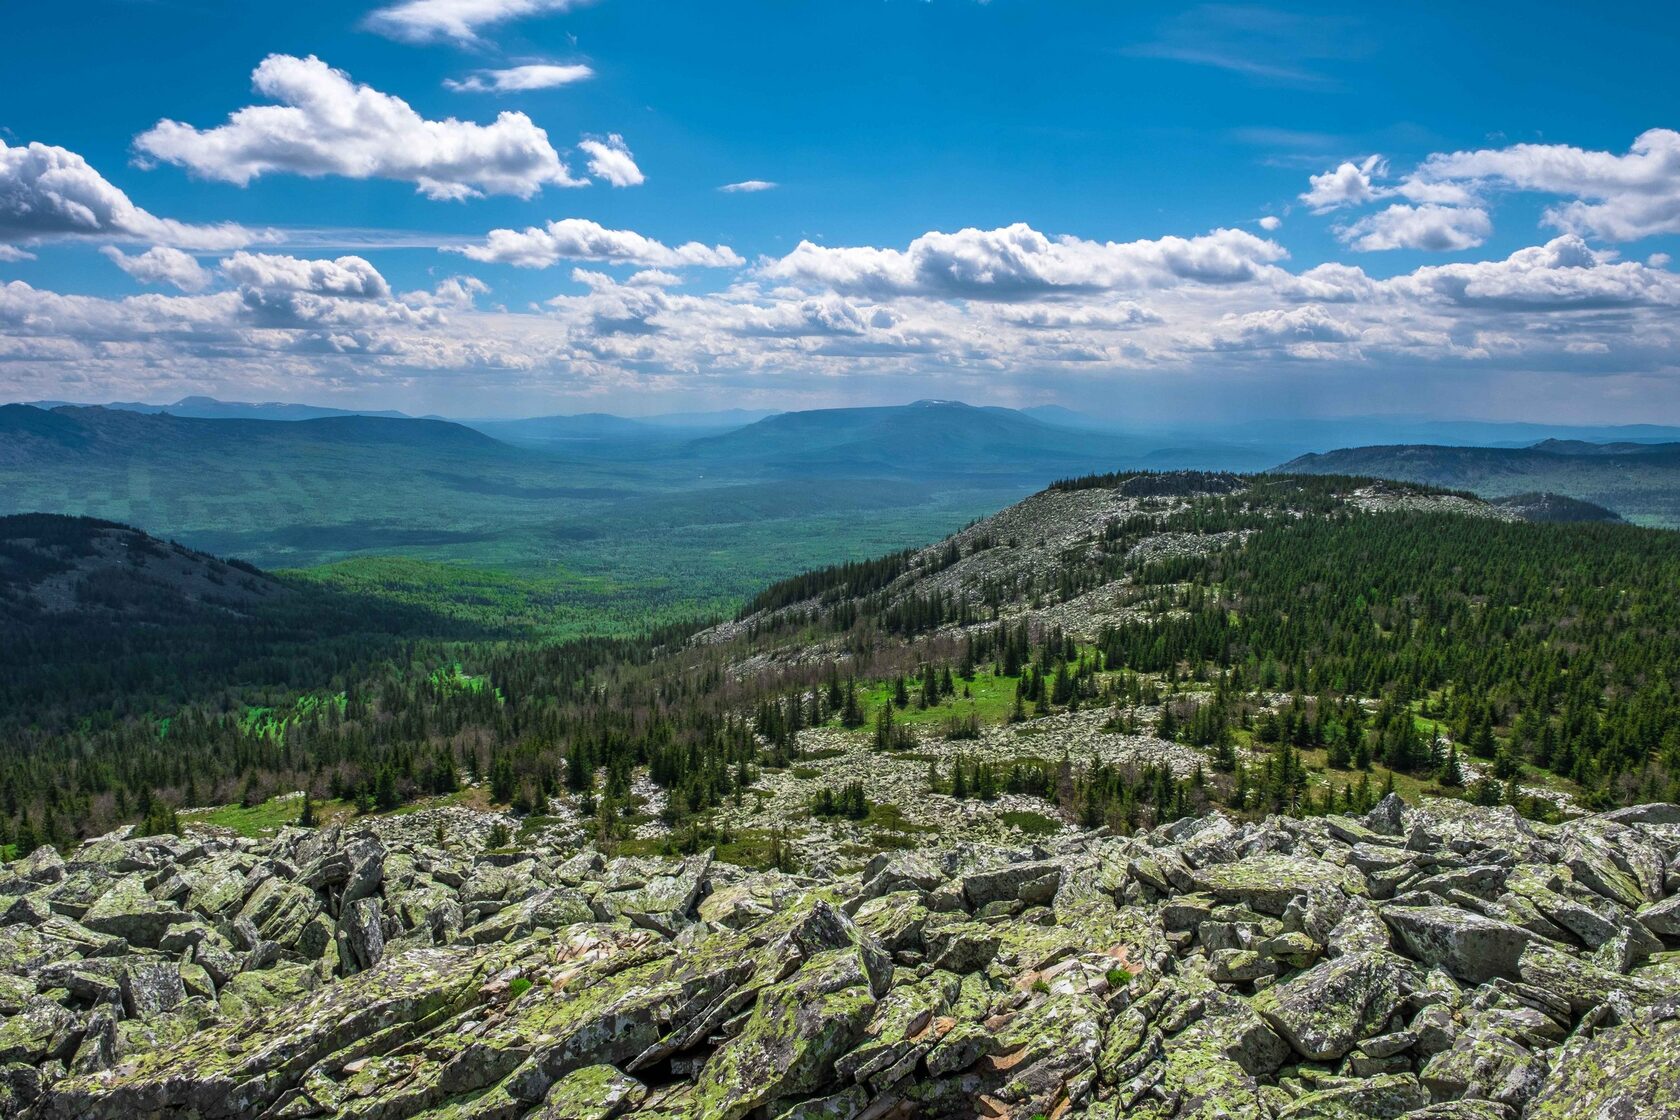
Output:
x,y
209,408
536,428
1641,482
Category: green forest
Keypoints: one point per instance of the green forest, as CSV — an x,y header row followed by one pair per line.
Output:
x,y
1367,648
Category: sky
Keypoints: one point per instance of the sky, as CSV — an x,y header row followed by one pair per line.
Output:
x,y
1195,213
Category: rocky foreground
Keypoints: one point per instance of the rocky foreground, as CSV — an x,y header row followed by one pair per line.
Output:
x,y
1436,961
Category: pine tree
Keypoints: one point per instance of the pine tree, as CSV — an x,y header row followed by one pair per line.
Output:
x,y
851,713
1166,727
1452,774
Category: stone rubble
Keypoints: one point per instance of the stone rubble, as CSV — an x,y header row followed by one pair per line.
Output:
x,y
1429,962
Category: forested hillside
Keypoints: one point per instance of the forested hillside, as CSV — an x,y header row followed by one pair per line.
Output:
x,y
1117,649
1637,481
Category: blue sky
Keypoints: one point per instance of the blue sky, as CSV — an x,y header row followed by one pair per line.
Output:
x,y
1171,251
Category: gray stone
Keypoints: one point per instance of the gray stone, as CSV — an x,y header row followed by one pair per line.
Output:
x,y
1473,948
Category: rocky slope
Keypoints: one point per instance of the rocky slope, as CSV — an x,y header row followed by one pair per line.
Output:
x,y
1436,961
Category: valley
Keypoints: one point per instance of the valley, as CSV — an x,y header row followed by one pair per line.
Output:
x,y
1086,806
548,734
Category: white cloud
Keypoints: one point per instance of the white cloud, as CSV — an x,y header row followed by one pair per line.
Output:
x,y
1019,262
1436,228
327,125
48,192
1350,184
455,293
1276,327
346,277
1119,316
13,253
1616,197
162,265
610,159
578,239
458,21
521,79
1271,222
1562,275
1601,194
748,186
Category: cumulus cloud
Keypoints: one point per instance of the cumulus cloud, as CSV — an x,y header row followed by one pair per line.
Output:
x,y
346,277
1436,228
162,265
1615,197
456,293
1601,194
610,159
1119,316
50,192
1563,274
521,79
1271,222
458,21
1019,262
748,186
13,253
578,239
1350,184
1282,328
326,124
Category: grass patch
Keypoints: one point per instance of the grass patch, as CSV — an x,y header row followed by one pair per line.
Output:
x,y
991,700
268,818
889,816
1030,823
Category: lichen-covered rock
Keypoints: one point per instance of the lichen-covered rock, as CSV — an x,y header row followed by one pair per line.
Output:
x,y
1325,1012
1384,1097
796,1032
1209,968
1624,1072
361,934
39,1031
1472,947
149,988
1662,918
1269,881
1486,1063
128,911
590,1093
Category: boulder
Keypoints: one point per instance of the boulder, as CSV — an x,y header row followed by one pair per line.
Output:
x,y
1384,1097
788,1046
1623,1072
1032,883
150,988
591,1093
1473,948
129,912
1662,918
1269,881
1328,1010
361,936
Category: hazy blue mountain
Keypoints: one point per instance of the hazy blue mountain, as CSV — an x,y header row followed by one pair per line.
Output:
x,y
209,408
927,438
1639,482
593,426
1068,418
721,419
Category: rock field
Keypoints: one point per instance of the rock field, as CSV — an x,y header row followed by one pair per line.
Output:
x,y
1430,962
